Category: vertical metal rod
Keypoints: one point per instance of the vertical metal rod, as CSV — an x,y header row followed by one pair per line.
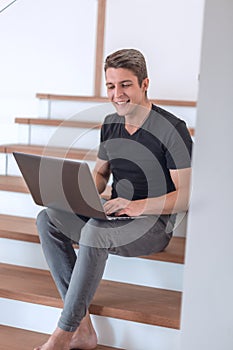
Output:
x,y
29,134
6,165
49,109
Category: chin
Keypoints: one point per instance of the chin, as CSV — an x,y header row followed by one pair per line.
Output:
x,y
120,112
123,110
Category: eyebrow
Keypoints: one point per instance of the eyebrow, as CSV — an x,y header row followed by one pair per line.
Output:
x,y
120,82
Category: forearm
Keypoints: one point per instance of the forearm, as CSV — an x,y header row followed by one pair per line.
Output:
x,y
100,181
173,202
101,174
170,203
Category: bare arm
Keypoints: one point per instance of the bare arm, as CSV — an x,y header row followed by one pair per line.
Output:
x,y
172,202
176,201
101,174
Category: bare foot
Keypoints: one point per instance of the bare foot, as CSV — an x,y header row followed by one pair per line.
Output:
x,y
85,337
59,340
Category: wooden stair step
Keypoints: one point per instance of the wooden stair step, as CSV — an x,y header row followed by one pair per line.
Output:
x,y
24,229
67,123
71,153
46,96
18,228
58,97
21,339
124,301
57,122
13,184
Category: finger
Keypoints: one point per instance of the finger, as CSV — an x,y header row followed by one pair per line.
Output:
x,y
124,211
108,205
110,208
120,212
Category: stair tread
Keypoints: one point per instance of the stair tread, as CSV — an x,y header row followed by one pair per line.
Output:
x,y
46,96
13,184
66,123
57,122
71,153
142,304
18,228
24,229
21,339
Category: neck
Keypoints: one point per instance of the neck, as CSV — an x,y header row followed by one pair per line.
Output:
x,y
135,120
139,114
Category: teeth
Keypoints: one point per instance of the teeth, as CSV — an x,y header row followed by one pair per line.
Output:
x,y
121,103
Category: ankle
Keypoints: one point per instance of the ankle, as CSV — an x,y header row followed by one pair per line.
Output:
x,y
86,324
61,336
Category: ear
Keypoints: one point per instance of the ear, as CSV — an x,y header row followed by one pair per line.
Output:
x,y
145,84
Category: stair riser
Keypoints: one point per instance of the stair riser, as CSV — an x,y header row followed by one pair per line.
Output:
x,y
8,131
59,136
8,165
134,270
112,332
74,110
2,164
20,204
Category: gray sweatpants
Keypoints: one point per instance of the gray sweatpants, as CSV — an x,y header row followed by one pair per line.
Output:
x,y
77,277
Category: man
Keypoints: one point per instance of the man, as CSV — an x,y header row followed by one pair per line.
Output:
x,y
147,150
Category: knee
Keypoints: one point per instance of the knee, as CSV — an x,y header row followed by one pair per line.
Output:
x,y
42,222
42,218
55,225
93,235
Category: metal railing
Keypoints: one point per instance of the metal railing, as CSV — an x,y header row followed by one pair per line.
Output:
x,y
4,4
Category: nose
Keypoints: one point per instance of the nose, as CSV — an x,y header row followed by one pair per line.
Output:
x,y
118,91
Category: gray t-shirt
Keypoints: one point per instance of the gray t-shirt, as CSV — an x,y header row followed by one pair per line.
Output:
x,y
140,163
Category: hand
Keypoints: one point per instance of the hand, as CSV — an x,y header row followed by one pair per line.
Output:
x,y
121,206
115,205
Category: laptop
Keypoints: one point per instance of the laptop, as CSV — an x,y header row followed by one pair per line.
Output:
x,y
63,184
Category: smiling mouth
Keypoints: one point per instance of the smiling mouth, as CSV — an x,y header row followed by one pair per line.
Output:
x,y
122,103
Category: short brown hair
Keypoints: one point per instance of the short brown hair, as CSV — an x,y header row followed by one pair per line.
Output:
x,y
130,59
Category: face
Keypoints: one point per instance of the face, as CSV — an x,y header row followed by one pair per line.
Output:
x,y
124,91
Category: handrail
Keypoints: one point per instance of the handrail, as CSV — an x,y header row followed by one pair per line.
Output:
x,y
8,5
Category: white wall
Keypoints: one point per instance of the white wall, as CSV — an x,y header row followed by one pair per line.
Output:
x,y
49,46
207,316
46,46
168,32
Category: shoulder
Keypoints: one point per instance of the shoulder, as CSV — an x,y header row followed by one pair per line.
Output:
x,y
166,123
165,115
168,129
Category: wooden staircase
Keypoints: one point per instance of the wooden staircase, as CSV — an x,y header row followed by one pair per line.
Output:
x,y
137,304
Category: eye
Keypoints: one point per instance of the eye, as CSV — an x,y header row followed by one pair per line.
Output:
x,y
125,85
110,87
